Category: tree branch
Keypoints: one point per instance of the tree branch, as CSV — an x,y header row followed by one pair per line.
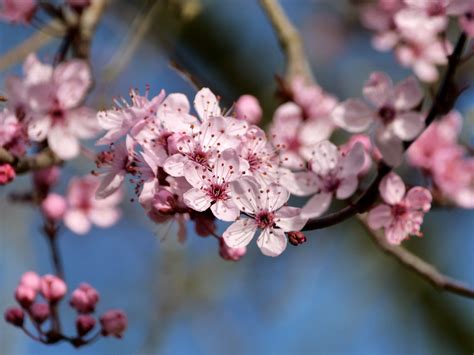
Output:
x,y
414,263
44,159
291,44
442,104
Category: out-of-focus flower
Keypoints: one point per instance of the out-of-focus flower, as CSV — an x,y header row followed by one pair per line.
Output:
x,y
17,11
84,298
84,324
53,288
7,174
232,254
40,312
15,316
31,279
25,295
114,323
54,206
248,108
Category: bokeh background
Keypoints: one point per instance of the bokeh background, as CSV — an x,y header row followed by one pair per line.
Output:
x,y
337,294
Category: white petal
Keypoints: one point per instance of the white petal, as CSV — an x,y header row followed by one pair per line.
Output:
x,y
317,205
408,125
63,142
347,187
104,217
206,104
325,158
77,221
392,189
174,165
354,161
197,200
39,127
378,88
272,241
353,115
289,219
73,78
174,113
390,146
407,94
299,183
225,210
274,196
240,233
109,184
245,194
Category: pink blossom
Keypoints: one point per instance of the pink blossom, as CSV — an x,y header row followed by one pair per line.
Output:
x,y
402,214
264,206
248,108
466,21
17,11
40,312
313,101
370,152
228,253
53,288
114,323
12,133
7,174
84,298
31,279
84,209
211,188
393,112
54,206
15,316
25,295
84,324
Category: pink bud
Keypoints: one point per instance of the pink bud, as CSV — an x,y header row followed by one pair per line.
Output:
x,y
296,238
248,108
45,178
7,174
84,324
79,5
228,253
40,312
54,206
113,322
25,295
84,298
53,288
15,316
31,279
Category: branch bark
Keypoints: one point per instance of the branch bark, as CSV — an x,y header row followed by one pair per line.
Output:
x,y
414,263
290,41
41,160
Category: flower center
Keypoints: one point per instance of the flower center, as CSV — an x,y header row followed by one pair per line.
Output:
x,y
387,114
264,219
398,210
200,157
57,115
218,192
436,9
254,162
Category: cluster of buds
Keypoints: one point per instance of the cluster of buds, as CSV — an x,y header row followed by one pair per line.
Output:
x,y
52,290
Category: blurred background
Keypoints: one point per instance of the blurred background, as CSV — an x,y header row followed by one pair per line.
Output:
x,y
336,294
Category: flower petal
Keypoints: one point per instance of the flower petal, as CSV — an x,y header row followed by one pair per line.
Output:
x,y
407,94
317,205
408,125
63,142
379,217
347,187
197,200
378,88
353,115
206,104
325,158
240,233
419,198
272,241
289,219
245,194
392,189
77,221
225,210
390,146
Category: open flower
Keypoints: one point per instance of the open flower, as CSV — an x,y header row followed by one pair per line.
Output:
x,y
402,214
264,206
392,111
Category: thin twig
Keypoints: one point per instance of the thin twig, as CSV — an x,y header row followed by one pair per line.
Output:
x,y
414,263
297,64
443,103
44,159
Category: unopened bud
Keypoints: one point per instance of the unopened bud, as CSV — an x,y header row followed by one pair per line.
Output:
x,y
15,316
296,238
84,324
40,312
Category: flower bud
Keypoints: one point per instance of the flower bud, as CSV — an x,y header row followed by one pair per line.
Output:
x,y
53,288
43,179
79,5
7,174
84,324
25,295
248,108
228,253
31,279
114,323
40,312
15,316
54,206
296,238
84,298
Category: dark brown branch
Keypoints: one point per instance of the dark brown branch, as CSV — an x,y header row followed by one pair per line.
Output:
x,y
291,44
423,269
442,104
41,160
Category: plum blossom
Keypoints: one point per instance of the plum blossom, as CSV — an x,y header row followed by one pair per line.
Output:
x,y
84,209
211,188
266,211
17,11
393,111
248,108
114,322
402,213
12,133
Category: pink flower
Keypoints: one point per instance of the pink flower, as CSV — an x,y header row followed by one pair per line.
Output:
x,y
17,11
393,112
228,253
313,101
211,188
15,316
331,174
7,174
25,295
31,279
370,152
401,215
466,21
12,133
56,114
114,323
264,206
248,108
84,298
84,209
54,206
53,288
294,137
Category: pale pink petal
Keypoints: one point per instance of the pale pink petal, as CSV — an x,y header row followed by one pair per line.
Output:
x,y
63,142
419,198
315,131
73,79
354,161
317,205
38,129
240,233
347,187
174,165
353,115
245,194
289,219
395,233
299,183
392,189
272,241
407,94
110,119
225,210
390,146
104,217
426,71
380,216
196,175
408,125
77,221
206,104
378,88
174,113
325,158
109,184
83,122
197,200
274,196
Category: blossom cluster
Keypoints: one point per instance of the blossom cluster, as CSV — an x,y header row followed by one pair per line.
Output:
x,y
415,30
52,290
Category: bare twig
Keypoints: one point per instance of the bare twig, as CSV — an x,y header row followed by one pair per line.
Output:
x,y
414,263
42,160
297,63
442,104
